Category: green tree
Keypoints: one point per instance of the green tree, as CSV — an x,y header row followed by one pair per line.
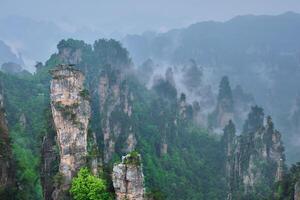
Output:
x,y
88,187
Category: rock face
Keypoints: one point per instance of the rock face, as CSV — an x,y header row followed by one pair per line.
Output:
x,y
254,158
6,167
49,162
71,112
116,110
48,158
128,178
297,191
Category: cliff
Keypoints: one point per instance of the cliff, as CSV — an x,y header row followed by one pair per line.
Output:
x,y
71,112
255,159
49,160
297,191
128,178
115,101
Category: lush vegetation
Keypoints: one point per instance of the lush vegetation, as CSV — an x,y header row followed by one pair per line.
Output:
x,y
180,160
89,187
285,189
25,102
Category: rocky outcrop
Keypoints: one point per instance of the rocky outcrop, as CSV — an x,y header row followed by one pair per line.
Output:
x,y
256,157
225,107
116,111
6,165
128,178
71,112
70,51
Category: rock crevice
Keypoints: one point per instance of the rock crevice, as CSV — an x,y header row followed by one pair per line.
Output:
x,y
128,178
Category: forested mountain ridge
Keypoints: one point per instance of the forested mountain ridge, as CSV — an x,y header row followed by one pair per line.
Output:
x,y
58,144
258,52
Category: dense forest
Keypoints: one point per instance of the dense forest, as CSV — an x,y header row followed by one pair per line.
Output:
x,y
258,52
180,157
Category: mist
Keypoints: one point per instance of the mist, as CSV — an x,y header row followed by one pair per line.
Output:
x,y
156,100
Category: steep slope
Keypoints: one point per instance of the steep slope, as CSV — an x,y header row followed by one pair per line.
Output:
x,y
257,52
7,172
25,102
71,112
71,128
154,122
255,159
115,101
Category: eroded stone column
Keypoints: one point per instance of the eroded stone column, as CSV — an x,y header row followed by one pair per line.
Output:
x,y
71,112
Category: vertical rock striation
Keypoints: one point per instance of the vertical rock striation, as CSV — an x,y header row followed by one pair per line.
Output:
x,y
128,178
255,158
116,109
71,112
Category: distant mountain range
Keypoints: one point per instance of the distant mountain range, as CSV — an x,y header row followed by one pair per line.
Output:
x,y
220,42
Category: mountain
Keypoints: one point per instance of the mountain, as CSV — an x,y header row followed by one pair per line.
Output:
x,y
260,53
99,132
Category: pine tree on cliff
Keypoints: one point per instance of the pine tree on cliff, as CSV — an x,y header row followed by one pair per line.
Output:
x,y
255,120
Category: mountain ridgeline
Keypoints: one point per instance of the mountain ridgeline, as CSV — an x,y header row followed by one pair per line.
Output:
x,y
84,126
258,52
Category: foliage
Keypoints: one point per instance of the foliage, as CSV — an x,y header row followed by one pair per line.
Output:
x,y
285,189
24,96
88,187
165,89
133,158
191,167
255,119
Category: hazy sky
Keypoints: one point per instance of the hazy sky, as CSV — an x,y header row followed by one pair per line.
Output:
x,y
135,16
